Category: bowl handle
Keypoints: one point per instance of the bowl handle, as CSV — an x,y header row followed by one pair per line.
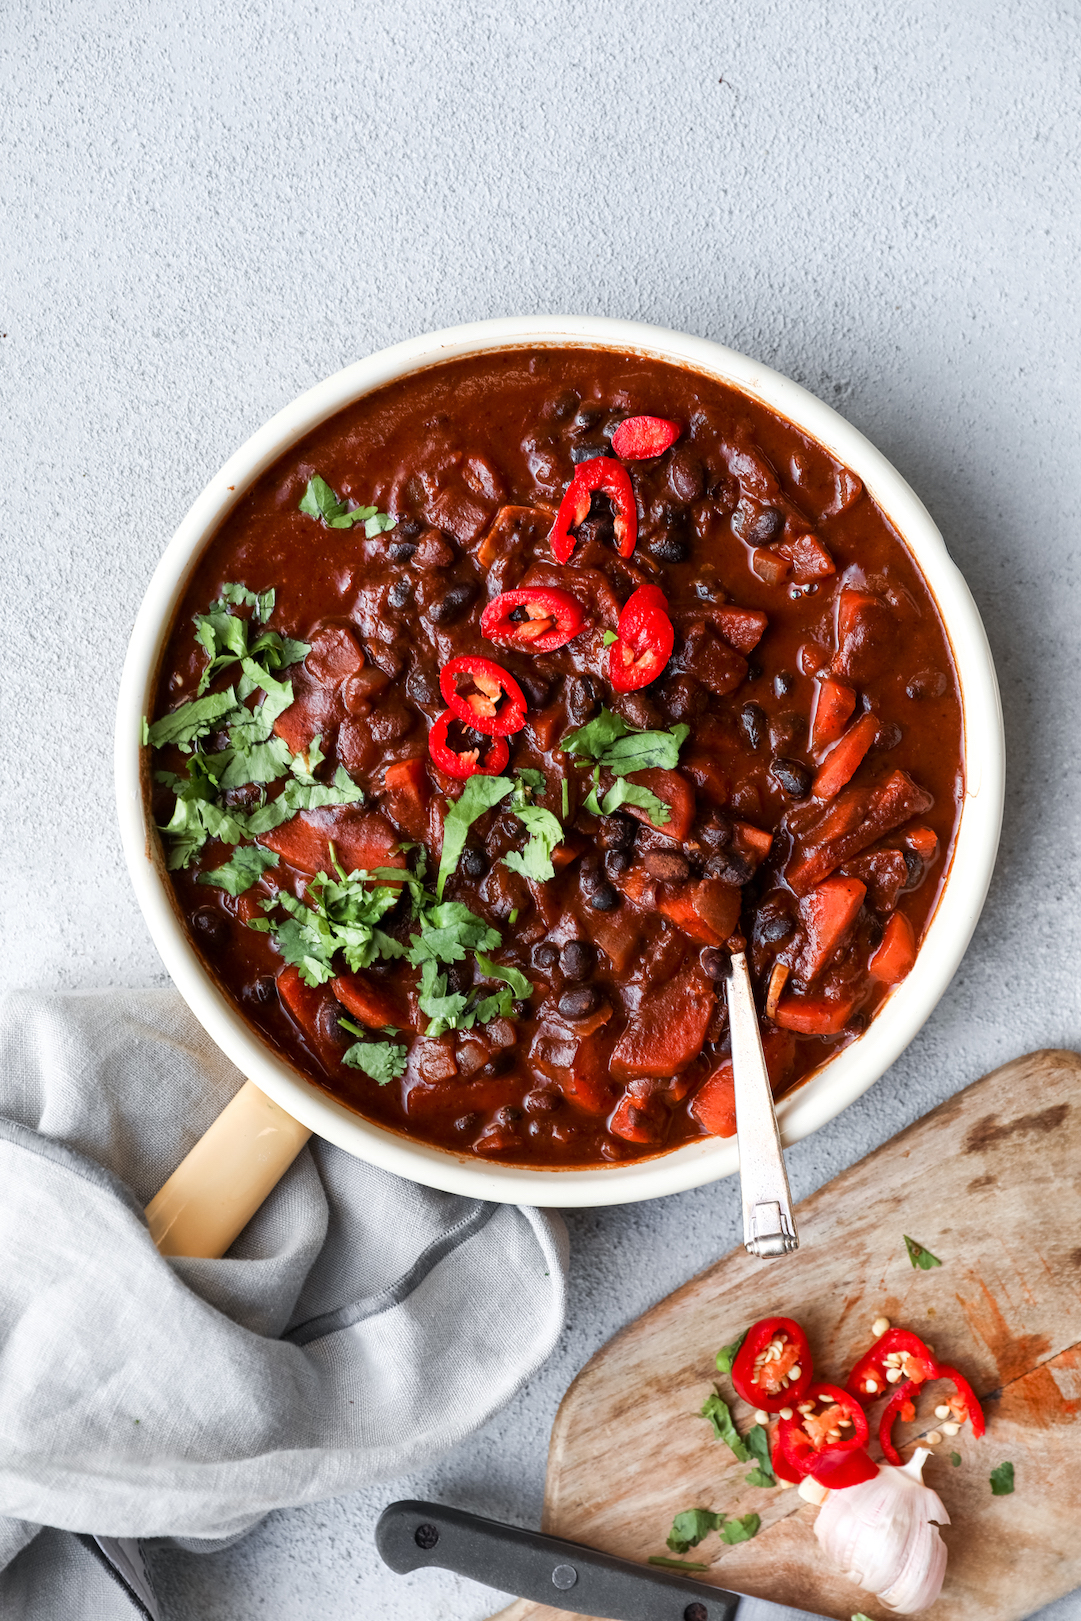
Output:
x,y
215,1191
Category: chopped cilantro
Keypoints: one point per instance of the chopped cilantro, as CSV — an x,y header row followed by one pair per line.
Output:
x,y
319,501
859,1616
191,721
610,637
298,796
447,931
728,1353
717,1411
757,1443
620,749
740,1530
919,1256
691,1527
1002,1480
381,1060
261,603
629,793
244,868
545,832
343,915
674,1564
144,739
479,795
955,1459
513,918
225,638
566,788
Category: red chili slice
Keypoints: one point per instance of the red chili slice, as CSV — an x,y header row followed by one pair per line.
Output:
x,y
548,618
606,475
902,1405
830,1443
466,763
915,1361
497,707
772,1349
638,438
645,640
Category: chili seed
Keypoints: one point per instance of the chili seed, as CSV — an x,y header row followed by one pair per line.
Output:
x,y
761,1416
794,778
452,604
714,963
400,593
545,956
766,528
473,862
783,683
880,1326
669,866
579,1003
210,925
951,1428
753,724
576,959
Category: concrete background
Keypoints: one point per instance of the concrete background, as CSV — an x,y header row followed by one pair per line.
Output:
x,y
208,208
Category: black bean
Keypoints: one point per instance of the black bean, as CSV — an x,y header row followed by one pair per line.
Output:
x,y
589,415
459,977
326,1021
563,406
784,682
520,1009
452,604
927,684
668,548
617,832
576,959
578,1003
716,833
601,531
582,699
265,989
754,672
401,551
773,927
913,869
889,735
467,1122
604,898
784,730
542,1102
715,963
422,685
732,868
684,698
686,474
507,1115
400,593
753,723
473,862
794,778
617,862
766,528
708,591
535,688
588,453
545,956
669,866
210,926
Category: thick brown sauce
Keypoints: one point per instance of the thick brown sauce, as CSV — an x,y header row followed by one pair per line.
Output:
x,y
450,448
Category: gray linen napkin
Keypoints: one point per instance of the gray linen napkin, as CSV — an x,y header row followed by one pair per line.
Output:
x,y
358,1328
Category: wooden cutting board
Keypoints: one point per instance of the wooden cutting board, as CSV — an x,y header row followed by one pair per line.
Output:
x,y
990,1182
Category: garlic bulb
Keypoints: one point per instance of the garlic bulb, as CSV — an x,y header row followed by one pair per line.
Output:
x,y
883,1535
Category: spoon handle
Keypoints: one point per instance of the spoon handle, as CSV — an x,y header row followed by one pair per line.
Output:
x,y
768,1225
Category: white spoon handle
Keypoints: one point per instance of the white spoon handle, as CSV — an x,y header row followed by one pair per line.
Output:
x,y
768,1225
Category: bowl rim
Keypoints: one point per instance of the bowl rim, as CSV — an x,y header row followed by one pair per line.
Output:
x,y
843,1078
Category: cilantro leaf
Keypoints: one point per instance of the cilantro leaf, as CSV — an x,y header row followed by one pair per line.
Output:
x,y
320,501
446,1010
1002,1480
593,740
740,1530
728,1353
610,637
192,720
383,1061
545,832
447,931
298,796
674,1564
621,749
919,1256
955,1459
479,795
520,986
859,1616
757,1443
244,868
340,915
261,603
717,1411
691,1527
623,792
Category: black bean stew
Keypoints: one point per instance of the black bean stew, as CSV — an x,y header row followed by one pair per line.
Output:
x,y
503,702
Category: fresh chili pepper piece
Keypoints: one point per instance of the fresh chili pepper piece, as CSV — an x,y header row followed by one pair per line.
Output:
x,y
606,475
902,1405
822,1437
547,619
498,705
637,438
841,1467
898,1348
645,639
772,1349
466,763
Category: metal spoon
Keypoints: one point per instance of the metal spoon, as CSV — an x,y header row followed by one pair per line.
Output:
x,y
768,1225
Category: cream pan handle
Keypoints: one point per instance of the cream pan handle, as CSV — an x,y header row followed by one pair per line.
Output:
x,y
216,1190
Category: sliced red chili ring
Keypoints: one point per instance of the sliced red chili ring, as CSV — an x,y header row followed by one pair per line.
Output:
x,y
606,475
902,1405
897,1348
644,640
810,1441
465,763
638,438
547,618
773,1368
497,707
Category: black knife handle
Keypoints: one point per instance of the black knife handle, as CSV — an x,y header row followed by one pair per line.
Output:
x,y
565,1575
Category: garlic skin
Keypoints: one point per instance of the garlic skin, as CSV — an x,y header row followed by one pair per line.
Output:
x,y
883,1536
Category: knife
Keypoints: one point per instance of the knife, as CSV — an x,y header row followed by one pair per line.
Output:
x,y
550,1570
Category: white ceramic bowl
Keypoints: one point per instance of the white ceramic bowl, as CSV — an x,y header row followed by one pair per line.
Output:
x,y
841,1080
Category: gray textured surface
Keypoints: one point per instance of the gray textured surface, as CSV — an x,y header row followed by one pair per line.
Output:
x,y
208,209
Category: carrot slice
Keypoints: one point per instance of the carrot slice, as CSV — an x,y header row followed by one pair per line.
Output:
x,y
834,703
814,1015
844,759
897,952
827,914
